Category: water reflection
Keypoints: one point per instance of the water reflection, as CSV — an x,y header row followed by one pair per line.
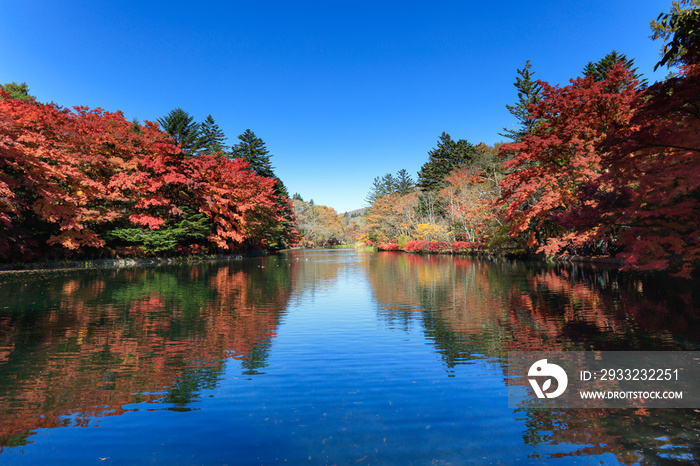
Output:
x,y
74,346
472,309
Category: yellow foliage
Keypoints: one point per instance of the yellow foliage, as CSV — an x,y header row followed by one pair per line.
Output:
x,y
432,232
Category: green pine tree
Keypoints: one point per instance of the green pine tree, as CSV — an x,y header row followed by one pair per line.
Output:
x,y
404,182
447,156
253,150
18,91
528,93
212,137
182,127
136,126
599,70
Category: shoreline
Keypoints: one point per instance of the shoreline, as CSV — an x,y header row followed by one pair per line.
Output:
x,y
101,264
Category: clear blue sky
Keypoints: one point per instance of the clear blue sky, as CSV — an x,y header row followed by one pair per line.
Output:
x,y
340,91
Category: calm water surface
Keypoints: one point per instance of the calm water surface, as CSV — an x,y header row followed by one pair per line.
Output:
x,y
326,357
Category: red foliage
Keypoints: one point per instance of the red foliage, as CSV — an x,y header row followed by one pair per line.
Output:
x,y
54,168
68,177
649,195
241,203
563,155
423,246
388,247
463,246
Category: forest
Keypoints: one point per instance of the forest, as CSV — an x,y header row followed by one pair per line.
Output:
x,y
90,184
604,166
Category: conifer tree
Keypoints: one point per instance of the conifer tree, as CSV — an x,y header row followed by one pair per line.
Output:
x,y
404,183
18,91
447,156
212,137
528,93
252,149
181,126
599,70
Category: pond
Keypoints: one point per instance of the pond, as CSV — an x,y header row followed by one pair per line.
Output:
x,y
326,357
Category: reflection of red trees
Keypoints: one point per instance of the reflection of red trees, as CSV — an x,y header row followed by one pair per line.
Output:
x,y
93,360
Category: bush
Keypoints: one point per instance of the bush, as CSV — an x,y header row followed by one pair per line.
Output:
x,y
422,246
462,246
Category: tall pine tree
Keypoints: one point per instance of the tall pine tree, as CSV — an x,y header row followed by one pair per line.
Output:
x,y
599,70
447,156
182,127
252,149
212,138
404,183
528,93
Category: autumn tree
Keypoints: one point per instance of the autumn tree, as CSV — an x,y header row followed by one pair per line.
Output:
x,y
89,183
564,155
470,203
318,224
648,197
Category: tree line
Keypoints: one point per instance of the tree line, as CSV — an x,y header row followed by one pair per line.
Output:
x,y
606,165
88,183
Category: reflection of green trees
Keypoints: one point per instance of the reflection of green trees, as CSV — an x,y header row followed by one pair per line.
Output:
x,y
85,344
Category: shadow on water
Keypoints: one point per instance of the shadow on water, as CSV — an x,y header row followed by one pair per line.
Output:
x,y
472,309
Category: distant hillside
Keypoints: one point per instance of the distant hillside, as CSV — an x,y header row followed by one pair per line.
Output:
x,y
355,213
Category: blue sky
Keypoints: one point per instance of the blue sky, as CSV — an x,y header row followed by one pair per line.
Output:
x,y
340,91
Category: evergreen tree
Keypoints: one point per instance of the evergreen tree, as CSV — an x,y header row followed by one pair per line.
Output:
x,y
18,91
447,156
528,93
253,150
136,126
404,183
181,126
599,70
212,137
376,191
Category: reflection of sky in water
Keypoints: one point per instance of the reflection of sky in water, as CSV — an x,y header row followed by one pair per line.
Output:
x,y
340,357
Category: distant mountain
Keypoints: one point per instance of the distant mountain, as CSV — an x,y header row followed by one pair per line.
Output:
x,y
355,213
